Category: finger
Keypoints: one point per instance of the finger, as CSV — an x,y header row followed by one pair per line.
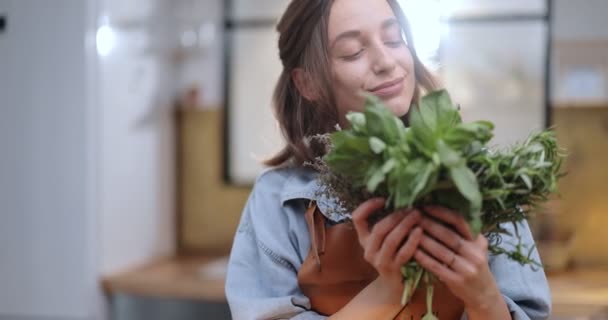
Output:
x,y
437,268
437,250
476,252
381,230
362,213
471,256
396,236
451,217
442,233
446,256
406,252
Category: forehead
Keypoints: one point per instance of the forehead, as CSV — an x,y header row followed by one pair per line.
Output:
x,y
361,15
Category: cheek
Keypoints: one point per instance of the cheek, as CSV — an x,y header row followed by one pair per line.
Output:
x,y
406,61
348,84
350,76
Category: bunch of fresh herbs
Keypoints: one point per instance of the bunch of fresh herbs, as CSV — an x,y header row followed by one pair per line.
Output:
x,y
439,160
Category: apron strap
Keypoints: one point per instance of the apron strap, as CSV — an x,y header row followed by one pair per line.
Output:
x,y
316,227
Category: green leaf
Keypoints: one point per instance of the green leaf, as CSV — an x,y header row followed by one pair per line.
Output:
x,y
475,224
389,165
439,111
466,182
431,120
422,179
526,179
378,146
408,182
355,168
420,134
431,181
466,133
401,129
452,199
376,179
347,142
473,149
448,156
380,121
429,113
357,121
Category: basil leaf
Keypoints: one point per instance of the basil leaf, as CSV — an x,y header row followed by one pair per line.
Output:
x,y
411,180
389,165
439,111
466,182
420,133
375,180
357,121
466,133
380,122
378,146
448,156
346,141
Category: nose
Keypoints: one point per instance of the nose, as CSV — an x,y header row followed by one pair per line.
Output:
x,y
383,60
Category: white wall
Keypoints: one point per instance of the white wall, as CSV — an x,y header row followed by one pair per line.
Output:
x,y
580,19
136,199
203,69
86,157
44,237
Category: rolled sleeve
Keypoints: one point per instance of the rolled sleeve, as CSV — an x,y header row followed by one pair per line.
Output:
x,y
261,282
525,290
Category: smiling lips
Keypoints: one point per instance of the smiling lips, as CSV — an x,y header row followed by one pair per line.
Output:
x,y
389,89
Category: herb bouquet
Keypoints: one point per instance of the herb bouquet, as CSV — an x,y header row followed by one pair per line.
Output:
x,y
439,160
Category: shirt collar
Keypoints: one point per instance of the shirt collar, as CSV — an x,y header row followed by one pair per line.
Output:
x,y
303,183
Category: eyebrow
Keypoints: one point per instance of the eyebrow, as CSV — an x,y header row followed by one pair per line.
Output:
x,y
346,35
389,23
356,34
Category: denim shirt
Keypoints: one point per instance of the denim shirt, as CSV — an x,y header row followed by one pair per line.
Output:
x,y
272,241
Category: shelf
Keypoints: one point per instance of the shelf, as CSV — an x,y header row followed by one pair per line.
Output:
x,y
580,105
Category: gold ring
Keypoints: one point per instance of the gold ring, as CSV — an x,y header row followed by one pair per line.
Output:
x,y
452,261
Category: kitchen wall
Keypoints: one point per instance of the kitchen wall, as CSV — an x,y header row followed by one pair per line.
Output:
x,y
47,228
86,151
135,134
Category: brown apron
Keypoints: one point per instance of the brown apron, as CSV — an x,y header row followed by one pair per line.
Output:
x,y
334,272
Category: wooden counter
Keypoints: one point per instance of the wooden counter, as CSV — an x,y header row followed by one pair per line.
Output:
x,y
579,292
181,278
576,293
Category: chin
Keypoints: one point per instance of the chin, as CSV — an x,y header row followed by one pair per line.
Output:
x,y
399,105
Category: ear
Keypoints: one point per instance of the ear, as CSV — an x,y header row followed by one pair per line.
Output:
x,y
304,84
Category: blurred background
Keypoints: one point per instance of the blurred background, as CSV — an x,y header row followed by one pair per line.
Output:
x,y
131,132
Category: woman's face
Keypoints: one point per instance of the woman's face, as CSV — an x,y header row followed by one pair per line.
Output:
x,y
368,53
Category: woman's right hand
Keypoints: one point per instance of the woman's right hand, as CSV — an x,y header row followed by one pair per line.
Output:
x,y
383,243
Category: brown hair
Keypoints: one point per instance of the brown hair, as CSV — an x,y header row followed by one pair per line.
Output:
x,y
303,43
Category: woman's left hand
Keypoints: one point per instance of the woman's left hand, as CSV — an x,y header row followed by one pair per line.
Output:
x,y
460,261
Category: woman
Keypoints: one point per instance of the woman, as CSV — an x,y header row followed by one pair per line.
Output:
x,y
289,261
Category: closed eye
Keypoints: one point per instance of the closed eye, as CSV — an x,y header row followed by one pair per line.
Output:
x,y
395,44
353,57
